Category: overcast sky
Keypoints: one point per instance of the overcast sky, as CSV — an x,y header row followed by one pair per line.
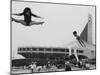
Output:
x,y
60,22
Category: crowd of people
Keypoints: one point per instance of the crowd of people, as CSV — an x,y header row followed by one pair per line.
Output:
x,y
44,68
55,65
49,67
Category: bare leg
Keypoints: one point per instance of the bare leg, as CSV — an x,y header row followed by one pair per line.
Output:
x,y
80,43
19,21
35,23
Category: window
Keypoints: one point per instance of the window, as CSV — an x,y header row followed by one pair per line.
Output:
x,y
67,50
41,49
62,50
22,49
33,49
55,49
28,49
48,49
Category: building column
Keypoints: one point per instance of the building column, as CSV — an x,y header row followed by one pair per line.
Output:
x,y
70,51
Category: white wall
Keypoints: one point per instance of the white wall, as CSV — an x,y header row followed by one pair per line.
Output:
x,y
5,36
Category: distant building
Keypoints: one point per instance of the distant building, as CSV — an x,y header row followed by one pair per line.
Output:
x,y
43,52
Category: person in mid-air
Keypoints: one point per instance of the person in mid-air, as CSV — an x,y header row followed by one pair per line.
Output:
x,y
79,39
27,18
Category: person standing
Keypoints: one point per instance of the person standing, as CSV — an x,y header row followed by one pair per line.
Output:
x,y
33,67
67,66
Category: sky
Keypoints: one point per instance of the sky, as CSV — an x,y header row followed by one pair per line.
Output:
x,y
59,23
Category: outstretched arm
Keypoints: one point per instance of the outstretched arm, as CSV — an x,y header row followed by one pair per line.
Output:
x,y
19,14
36,16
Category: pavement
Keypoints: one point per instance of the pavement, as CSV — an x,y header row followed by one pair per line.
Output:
x,y
20,71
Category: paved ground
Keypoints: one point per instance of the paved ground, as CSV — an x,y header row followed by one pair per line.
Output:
x,y
29,71
19,71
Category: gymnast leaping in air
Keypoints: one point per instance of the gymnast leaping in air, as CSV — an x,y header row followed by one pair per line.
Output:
x,y
27,18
